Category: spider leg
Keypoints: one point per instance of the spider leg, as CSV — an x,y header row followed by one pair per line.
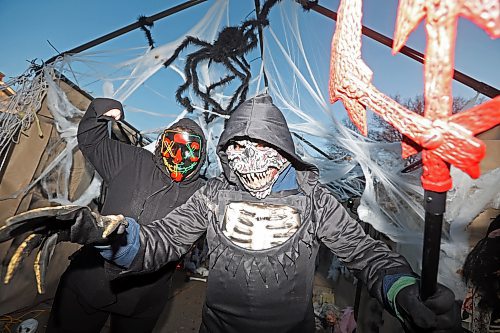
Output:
x,y
210,101
221,82
184,101
191,79
188,40
266,8
245,62
246,68
252,40
245,79
206,95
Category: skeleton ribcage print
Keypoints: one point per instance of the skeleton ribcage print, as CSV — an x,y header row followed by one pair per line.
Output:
x,y
258,226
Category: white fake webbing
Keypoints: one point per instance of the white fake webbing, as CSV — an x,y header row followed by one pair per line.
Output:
x,y
66,118
296,62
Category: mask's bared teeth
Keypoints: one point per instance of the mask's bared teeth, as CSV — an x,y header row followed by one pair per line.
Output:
x,y
262,182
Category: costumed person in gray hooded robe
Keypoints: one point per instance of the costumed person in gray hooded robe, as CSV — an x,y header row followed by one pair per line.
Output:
x,y
265,218
140,184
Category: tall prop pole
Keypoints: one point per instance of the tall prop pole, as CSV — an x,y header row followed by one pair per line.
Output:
x,y
128,28
443,138
435,206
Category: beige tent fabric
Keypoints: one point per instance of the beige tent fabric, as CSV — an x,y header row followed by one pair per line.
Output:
x,y
29,158
23,163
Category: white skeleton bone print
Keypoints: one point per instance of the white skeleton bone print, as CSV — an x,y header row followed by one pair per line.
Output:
x,y
259,226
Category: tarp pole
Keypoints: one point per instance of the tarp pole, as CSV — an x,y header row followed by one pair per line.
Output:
x,y
128,28
478,86
261,40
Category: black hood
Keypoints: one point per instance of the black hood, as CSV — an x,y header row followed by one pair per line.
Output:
x,y
258,118
196,129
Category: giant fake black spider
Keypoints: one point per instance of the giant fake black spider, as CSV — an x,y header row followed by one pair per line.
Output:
x,y
229,49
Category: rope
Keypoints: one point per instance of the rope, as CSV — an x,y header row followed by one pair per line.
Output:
x,y
8,321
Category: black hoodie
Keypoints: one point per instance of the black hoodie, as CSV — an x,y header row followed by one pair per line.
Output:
x,y
139,186
267,290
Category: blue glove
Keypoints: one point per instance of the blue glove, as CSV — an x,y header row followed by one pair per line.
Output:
x,y
123,252
439,313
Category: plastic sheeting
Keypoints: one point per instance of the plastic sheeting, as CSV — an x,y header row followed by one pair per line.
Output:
x,y
295,60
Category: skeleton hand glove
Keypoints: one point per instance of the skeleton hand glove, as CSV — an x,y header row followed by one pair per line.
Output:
x,y
437,314
43,228
87,227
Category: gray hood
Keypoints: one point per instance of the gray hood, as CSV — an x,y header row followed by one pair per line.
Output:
x,y
258,118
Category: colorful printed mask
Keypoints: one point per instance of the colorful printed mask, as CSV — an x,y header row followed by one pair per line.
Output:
x,y
180,151
256,164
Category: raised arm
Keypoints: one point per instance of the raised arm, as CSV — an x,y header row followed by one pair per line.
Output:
x,y
108,156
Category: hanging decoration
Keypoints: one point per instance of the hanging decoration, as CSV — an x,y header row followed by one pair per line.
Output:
x,y
228,49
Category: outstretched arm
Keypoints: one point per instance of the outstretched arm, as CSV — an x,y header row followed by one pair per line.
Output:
x,y
369,259
108,156
43,228
387,275
165,240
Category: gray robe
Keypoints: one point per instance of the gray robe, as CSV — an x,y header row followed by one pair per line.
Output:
x,y
266,290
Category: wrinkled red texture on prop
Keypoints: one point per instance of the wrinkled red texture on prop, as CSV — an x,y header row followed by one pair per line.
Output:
x,y
444,138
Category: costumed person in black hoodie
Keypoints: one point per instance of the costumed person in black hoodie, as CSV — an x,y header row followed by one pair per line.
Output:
x,y
264,219
140,184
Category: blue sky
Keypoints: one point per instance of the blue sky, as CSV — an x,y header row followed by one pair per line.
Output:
x,y
27,26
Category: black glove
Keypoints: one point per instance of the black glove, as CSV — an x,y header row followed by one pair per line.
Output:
x,y
43,228
87,227
438,314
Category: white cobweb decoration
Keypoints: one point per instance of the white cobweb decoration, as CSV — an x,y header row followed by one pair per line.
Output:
x,y
296,63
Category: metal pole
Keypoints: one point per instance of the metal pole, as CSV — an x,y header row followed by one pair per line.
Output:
x,y
128,28
301,138
435,206
261,40
479,86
